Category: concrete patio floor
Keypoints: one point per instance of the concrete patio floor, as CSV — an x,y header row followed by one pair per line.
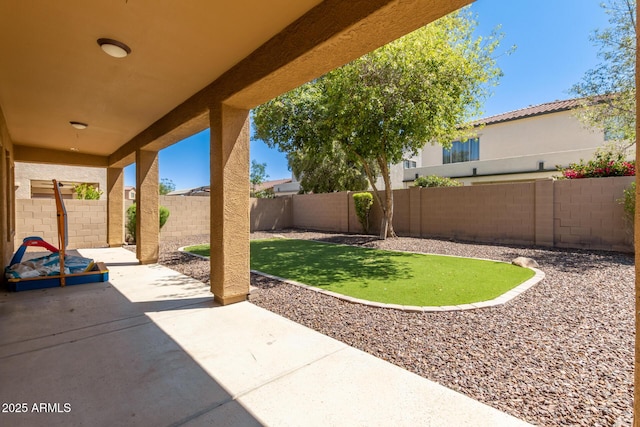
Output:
x,y
151,348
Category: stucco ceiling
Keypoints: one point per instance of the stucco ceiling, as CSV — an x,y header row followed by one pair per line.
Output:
x,y
52,70
187,56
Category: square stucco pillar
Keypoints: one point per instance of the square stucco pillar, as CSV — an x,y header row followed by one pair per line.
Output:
x,y
115,207
229,204
147,216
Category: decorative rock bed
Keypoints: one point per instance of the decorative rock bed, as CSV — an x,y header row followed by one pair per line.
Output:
x,y
559,354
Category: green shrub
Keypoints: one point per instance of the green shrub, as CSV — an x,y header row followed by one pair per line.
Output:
x,y
436,181
363,202
131,223
131,220
87,192
607,161
164,216
264,194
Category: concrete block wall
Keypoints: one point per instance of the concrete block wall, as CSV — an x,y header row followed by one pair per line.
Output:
x,y
401,212
544,213
502,213
86,222
327,212
271,214
581,213
188,216
489,213
587,214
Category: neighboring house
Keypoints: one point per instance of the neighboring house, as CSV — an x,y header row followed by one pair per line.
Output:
x,y
279,187
205,190
521,145
130,193
34,180
288,188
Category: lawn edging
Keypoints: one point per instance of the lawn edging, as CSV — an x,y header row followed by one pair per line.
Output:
x,y
181,249
500,300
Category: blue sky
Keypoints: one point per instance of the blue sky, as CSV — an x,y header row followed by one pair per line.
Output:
x,y
553,52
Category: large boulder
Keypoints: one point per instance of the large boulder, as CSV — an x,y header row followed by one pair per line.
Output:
x,y
525,262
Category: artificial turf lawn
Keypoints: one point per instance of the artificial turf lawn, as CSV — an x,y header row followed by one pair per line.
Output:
x,y
202,250
384,276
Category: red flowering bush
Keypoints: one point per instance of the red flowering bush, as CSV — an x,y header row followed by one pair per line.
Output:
x,y
607,162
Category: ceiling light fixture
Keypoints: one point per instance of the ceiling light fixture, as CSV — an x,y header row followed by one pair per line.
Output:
x,y
79,125
114,48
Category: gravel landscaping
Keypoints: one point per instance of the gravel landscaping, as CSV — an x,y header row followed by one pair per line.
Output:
x,y
560,354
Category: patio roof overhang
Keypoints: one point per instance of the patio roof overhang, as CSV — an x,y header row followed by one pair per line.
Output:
x,y
190,66
185,57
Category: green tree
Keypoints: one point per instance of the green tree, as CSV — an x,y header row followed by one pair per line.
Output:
x,y
166,186
609,89
326,169
257,176
422,88
87,192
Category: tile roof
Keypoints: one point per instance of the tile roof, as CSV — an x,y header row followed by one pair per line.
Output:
x,y
195,191
535,110
270,184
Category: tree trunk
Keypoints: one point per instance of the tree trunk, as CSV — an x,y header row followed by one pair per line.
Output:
x,y
386,229
372,181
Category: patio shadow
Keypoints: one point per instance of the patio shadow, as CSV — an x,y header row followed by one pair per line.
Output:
x,y
96,358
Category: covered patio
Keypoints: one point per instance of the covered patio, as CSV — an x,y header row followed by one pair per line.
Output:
x,y
109,84
150,347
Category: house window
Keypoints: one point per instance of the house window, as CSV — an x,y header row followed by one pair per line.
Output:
x,y
462,151
409,164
